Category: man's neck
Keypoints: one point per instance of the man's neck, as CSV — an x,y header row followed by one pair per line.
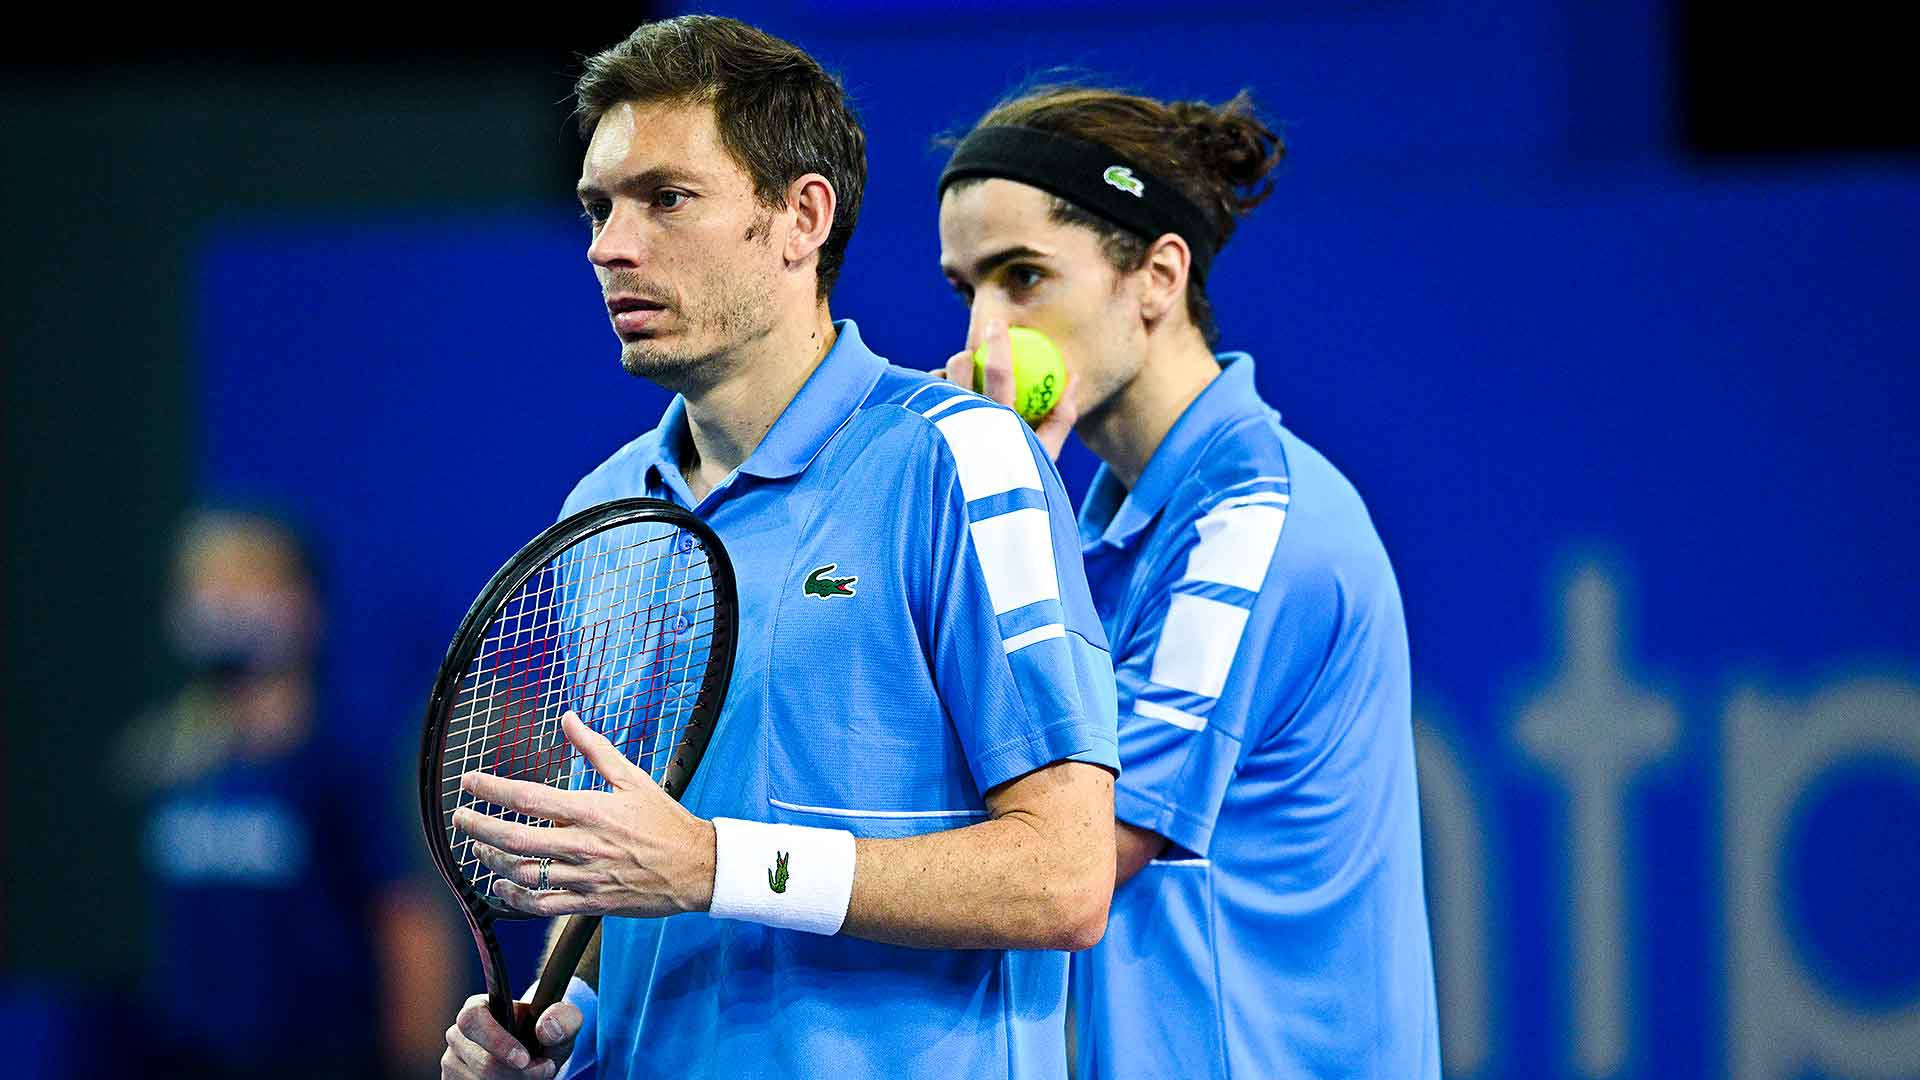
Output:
x,y
728,419
1128,429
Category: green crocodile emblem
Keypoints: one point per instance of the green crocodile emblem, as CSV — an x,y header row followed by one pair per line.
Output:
x,y
1122,177
777,877
820,585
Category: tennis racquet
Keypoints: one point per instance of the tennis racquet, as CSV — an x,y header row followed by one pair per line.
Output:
x,y
624,613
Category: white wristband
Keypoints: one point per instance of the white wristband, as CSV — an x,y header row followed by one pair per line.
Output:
x,y
790,876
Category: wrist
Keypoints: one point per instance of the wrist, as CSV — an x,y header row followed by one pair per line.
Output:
x,y
705,847
788,876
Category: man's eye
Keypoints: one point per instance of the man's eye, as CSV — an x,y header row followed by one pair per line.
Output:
x,y
596,211
1024,277
964,292
668,200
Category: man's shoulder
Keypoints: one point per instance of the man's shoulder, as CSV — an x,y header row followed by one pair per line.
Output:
x,y
1251,456
1237,496
984,443
1260,460
1265,499
621,475
903,392
1331,521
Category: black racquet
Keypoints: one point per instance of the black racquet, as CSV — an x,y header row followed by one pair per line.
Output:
x,y
624,613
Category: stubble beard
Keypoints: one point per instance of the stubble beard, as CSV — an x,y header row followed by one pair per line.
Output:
x,y
734,310
736,307
1099,393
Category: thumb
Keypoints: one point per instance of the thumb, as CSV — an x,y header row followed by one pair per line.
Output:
x,y
558,1025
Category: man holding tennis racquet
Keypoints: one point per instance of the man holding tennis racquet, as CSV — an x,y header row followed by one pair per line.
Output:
x,y
1268,917
905,811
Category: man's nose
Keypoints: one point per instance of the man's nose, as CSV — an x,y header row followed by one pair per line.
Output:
x,y
618,243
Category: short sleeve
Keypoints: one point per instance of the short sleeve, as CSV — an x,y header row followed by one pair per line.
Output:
x,y
1019,659
1206,664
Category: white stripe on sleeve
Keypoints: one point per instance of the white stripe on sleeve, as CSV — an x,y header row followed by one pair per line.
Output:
x,y
943,406
990,452
1197,643
1274,497
1179,719
1236,544
1039,633
1016,556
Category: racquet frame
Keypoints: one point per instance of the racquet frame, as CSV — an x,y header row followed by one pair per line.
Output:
x,y
538,552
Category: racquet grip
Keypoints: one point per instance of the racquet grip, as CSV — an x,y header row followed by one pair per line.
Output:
x,y
561,962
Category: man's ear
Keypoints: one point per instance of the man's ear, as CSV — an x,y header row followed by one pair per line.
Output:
x,y
812,201
1164,278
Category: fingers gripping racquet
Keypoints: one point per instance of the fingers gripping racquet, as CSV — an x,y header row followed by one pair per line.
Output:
x,y
624,613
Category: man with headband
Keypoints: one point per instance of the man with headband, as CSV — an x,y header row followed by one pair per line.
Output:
x,y
1268,917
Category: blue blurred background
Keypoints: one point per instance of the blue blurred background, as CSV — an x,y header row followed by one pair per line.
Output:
x,y
1612,312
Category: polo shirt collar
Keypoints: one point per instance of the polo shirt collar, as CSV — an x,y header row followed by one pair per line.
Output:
x,y
831,395
1229,398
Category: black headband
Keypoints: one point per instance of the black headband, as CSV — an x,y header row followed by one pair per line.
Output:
x,y
1089,176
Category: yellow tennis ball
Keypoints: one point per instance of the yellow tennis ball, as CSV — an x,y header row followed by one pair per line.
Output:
x,y
1039,376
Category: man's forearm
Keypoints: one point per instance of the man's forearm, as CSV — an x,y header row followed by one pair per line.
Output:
x,y
1038,875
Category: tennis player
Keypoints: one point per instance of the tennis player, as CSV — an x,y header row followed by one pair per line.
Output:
x,y
1268,918
905,814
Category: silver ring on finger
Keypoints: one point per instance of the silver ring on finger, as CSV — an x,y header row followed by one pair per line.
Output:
x,y
543,885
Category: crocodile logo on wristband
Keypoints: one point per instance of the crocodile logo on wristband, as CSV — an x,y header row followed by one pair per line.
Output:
x,y
777,877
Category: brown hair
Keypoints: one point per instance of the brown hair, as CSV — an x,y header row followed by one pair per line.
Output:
x,y
780,114
1219,156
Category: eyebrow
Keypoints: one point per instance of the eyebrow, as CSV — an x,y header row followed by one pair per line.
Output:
x,y
639,182
987,264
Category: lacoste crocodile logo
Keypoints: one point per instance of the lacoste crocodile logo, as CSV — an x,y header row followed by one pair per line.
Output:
x,y
1122,178
777,877
820,585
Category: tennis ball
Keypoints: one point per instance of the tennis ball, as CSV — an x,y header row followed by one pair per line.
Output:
x,y
1039,376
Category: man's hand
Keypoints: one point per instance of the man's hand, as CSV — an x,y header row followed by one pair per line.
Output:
x,y
631,850
1054,427
478,1048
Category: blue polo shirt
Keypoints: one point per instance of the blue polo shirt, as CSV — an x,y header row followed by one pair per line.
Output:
x,y
1265,730
961,650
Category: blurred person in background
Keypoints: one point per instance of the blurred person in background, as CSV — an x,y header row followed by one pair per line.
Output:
x,y
1269,916
284,878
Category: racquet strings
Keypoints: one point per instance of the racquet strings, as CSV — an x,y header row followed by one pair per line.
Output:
x,y
619,628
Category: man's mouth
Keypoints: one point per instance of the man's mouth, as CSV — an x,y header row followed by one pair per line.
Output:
x,y
633,314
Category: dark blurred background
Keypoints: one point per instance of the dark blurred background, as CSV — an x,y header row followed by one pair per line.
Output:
x,y
1611,311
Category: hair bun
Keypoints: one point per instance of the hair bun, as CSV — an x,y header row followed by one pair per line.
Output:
x,y
1233,144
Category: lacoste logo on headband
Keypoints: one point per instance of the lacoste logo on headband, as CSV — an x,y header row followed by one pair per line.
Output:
x,y
1122,178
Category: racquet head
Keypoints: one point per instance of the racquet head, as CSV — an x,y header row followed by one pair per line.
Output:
x,y
624,614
